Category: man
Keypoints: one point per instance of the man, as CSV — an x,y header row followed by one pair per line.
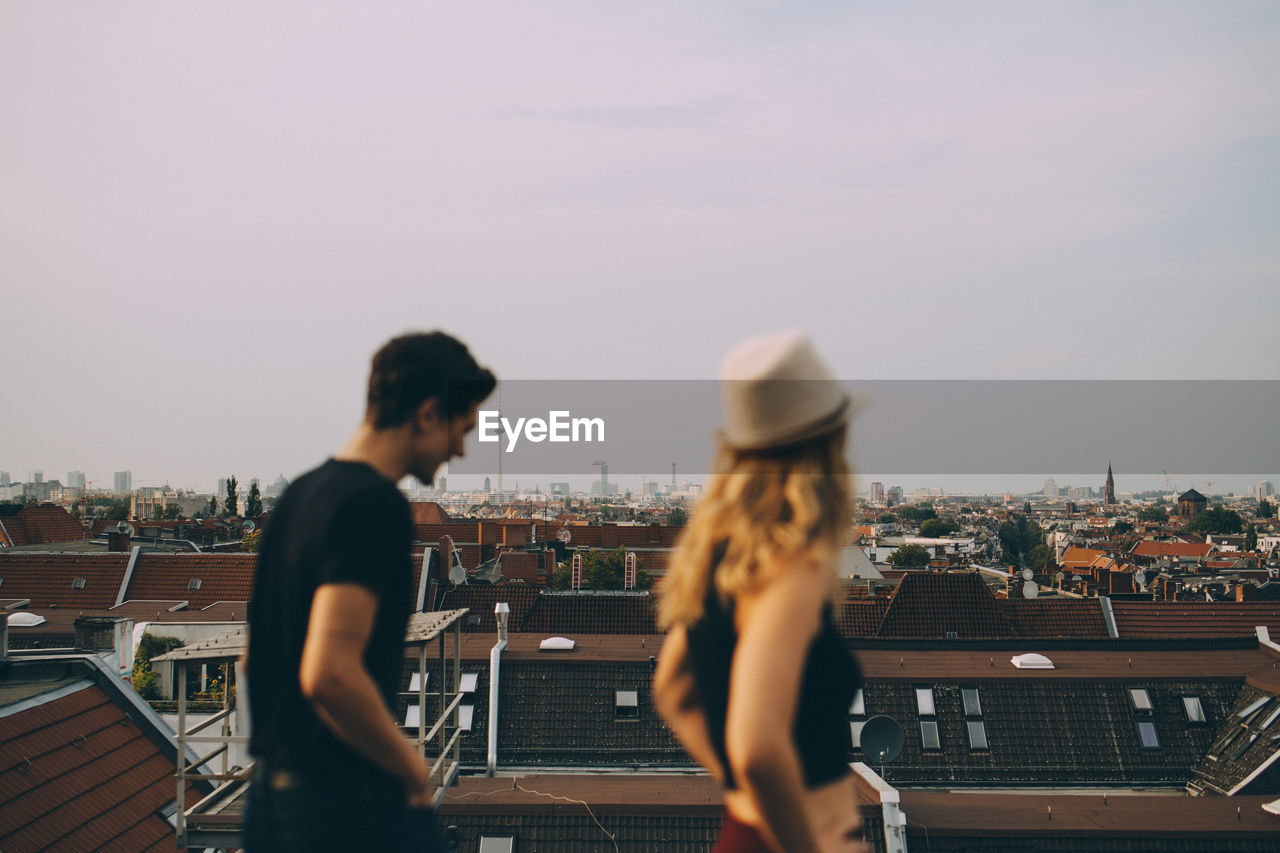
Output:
x,y
330,605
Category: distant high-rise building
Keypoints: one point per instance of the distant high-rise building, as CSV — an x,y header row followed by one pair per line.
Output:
x,y
895,495
877,493
123,482
75,480
4,478
222,487
1260,490
487,488
1050,488
37,476
442,485
1109,495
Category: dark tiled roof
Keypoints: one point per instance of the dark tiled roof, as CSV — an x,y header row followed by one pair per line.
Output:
x,y
223,577
1058,617
480,600
1195,618
46,578
80,775
929,605
1244,745
592,613
1051,733
40,525
861,617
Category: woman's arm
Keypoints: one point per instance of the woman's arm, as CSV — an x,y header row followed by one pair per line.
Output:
x,y
776,627
676,697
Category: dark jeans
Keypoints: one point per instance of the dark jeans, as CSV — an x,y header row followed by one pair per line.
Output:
x,y
333,813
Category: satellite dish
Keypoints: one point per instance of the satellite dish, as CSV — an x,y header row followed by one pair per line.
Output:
x,y
126,528
1059,578
882,739
457,574
248,526
1030,589
1140,577
564,535
1028,575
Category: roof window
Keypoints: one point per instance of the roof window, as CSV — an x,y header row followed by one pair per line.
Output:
x,y
1252,708
924,701
194,583
467,715
497,844
556,644
1031,660
1140,699
858,707
929,735
77,583
1194,709
416,680
1241,747
977,734
411,716
855,732
1148,735
1271,719
469,681
972,704
626,704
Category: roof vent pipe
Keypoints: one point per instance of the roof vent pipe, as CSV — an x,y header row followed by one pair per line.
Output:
x,y
502,612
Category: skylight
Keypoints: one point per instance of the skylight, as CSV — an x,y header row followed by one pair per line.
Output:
x,y
972,705
497,844
414,682
1271,719
1195,711
77,583
194,584
469,680
977,734
1140,698
25,620
855,732
411,717
556,644
468,714
859,706
1148,735
1031,660
929,735
1253,707
924,701
626,704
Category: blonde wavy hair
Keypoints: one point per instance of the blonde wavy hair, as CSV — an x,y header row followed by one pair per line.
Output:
x,y
761,509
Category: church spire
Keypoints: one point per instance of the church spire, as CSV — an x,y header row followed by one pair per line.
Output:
x,y
1109,494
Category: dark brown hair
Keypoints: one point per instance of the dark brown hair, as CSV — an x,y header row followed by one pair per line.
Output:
x,y
411,369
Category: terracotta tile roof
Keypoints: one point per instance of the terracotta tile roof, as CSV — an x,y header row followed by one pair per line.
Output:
x,y
428,512
80,775
223,577
593,613
1147,548
861,617
1195,618
1055,617
928,605
47,578
40,525
1076,558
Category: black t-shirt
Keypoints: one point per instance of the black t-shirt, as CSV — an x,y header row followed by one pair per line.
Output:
x,y
340,523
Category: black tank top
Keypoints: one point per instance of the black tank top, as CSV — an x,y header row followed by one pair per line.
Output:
x,y
831,678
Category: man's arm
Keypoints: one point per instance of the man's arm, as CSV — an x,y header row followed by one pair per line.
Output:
x,y
333,678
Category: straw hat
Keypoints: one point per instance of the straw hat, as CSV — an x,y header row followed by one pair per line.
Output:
x,y
777,391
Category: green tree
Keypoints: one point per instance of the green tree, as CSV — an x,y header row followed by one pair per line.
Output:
x,y
172,512
1018,537
910,556
601,570
1155,513
213,505
1216,519
231,504
918,514
887,518
118,510
75,511
253,505
676,517
936,527
1251,538
1121,527
1265,510
145,680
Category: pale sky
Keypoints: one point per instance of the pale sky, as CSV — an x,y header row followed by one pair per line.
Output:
x,y
211,215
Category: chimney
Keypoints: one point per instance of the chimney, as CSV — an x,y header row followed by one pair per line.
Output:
x,y
446,557
1246,592
119,540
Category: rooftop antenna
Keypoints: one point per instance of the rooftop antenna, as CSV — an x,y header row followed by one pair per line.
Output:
x,y
882,740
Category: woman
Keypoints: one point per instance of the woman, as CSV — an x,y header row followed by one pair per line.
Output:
x,y
754,679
